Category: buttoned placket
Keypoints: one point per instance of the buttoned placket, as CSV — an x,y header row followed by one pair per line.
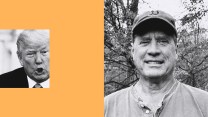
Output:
x,y
144,107
148,112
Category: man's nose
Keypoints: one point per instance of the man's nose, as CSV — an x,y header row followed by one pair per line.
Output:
x,y
153,49
38,59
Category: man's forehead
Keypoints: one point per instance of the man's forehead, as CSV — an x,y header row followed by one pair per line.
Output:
x,y
33,43
154,33
28,48
38,49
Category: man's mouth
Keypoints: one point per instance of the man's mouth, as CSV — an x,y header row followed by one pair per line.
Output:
x,y
154,61
39,70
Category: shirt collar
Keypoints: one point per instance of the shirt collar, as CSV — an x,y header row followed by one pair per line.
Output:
x,y
167,95
44,84
143,105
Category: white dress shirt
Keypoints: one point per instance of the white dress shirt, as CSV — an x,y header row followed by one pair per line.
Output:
x,y
44,84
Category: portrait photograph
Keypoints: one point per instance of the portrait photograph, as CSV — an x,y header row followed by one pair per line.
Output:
x,y
24,58
155,58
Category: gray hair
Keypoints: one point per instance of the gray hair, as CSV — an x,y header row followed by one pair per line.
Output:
x,y
27,34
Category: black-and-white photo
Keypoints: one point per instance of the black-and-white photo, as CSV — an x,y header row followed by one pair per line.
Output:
x,y
24,58
155,58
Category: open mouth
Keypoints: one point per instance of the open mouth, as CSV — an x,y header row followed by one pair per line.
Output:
x,y
154,61
39,70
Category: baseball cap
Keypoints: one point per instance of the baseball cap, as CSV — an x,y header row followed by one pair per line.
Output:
x,y
154,20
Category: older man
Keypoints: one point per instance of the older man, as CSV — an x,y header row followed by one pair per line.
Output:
x,y
33,54
157,93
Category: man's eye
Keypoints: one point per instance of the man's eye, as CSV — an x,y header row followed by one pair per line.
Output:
x,y
144,42
30,54
44,52
165,41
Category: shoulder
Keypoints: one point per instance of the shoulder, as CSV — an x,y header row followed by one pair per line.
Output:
x,y
118,94
199,96
14,79
19,72
116,100
118,97
196,92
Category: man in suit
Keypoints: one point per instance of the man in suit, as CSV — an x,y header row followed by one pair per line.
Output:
x,y
33,54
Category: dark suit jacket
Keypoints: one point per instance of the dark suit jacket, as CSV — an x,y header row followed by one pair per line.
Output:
x,y
14,79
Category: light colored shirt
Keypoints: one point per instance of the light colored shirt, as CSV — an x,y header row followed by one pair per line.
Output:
x,y
181,101
44,84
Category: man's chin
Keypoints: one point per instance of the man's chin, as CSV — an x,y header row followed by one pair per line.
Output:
x,y
41,78
153,74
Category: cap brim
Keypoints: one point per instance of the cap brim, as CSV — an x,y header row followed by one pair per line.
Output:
x,y
154,22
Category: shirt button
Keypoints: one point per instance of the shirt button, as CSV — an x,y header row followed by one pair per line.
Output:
x,y
159,105
141,104
147,111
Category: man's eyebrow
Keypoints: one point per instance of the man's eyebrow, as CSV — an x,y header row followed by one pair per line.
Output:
x,y
30,50
162,36
44,48
145,38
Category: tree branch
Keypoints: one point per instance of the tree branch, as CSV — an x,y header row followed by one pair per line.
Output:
x,y
183,68
109,82
197,71
118,62
204,58
116,75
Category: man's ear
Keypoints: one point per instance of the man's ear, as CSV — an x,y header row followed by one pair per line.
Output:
x,y
19,57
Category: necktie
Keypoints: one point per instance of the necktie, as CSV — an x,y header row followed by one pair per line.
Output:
x,y
37,86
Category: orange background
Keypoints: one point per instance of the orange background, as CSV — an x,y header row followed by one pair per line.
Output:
x,y
76,58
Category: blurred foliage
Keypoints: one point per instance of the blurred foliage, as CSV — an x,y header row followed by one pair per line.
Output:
x,y
196,10
119,69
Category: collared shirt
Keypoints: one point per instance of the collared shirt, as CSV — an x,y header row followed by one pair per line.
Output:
x,y
181,101
44,84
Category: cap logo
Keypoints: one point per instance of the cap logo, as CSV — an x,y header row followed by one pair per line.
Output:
x,y
154,12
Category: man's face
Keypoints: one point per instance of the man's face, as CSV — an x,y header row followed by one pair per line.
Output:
x,y
154,54
34,57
